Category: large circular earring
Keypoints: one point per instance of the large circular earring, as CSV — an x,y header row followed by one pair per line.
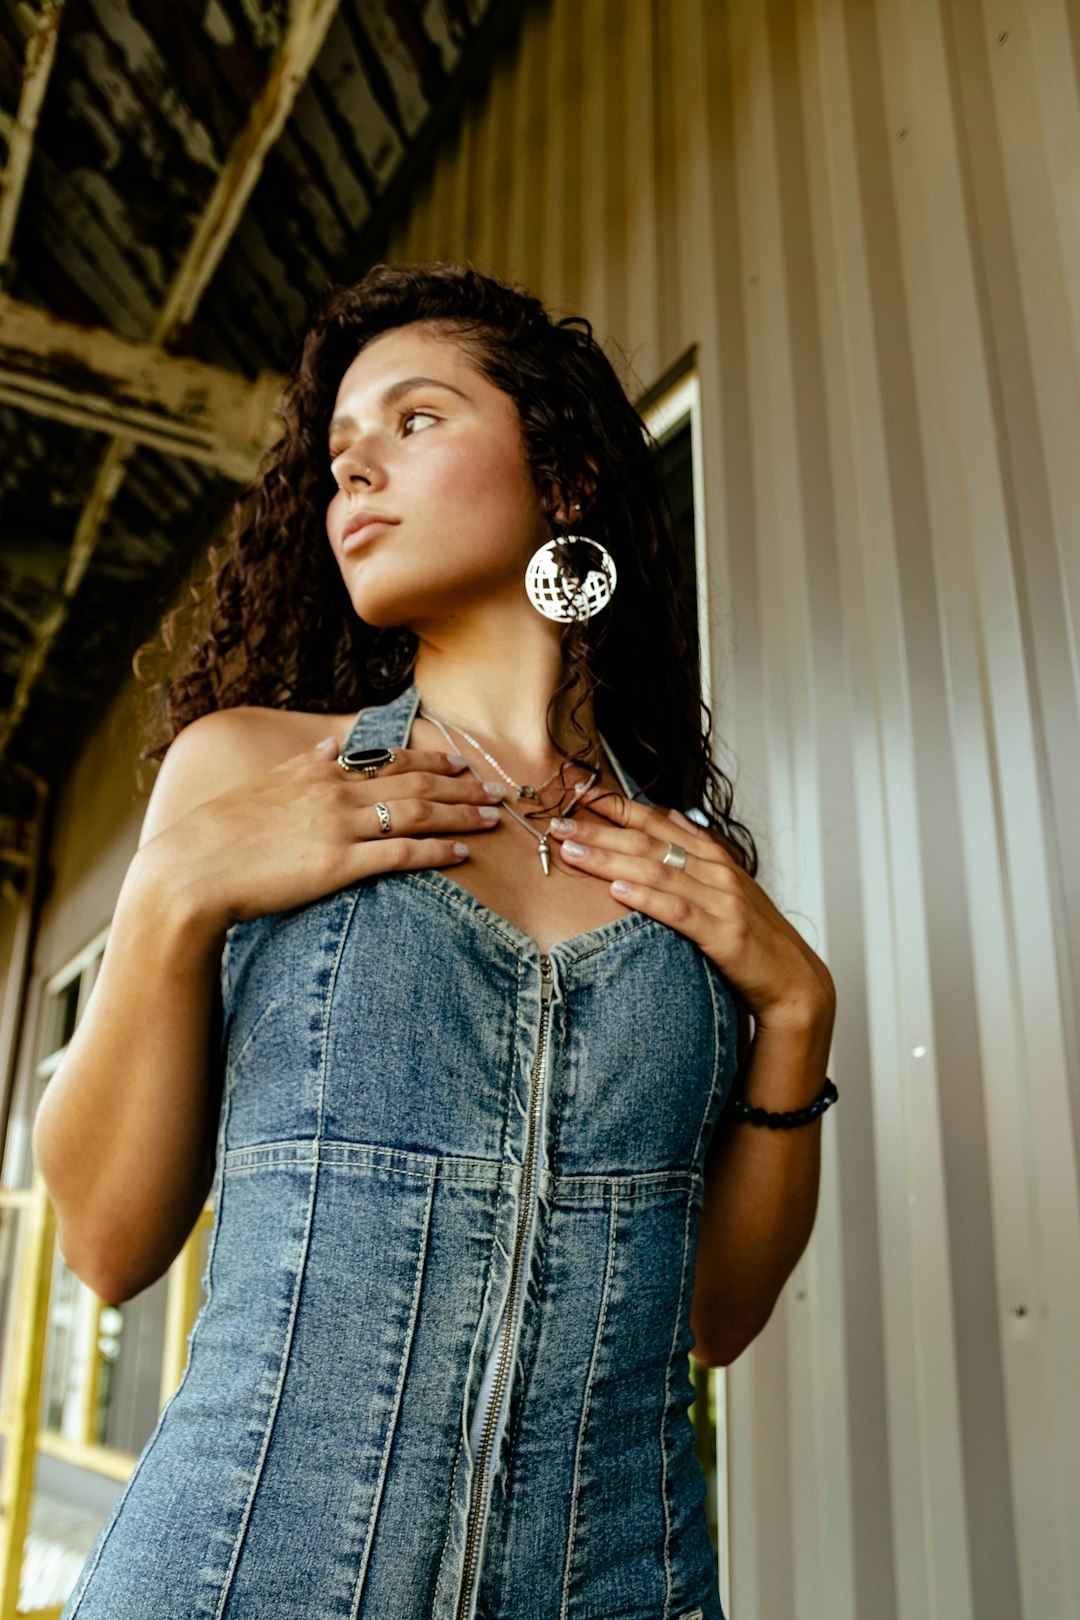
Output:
x,y
547,591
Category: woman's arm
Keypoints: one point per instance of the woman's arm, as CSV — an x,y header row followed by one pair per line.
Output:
x,y
124,1134
247,818
761,1189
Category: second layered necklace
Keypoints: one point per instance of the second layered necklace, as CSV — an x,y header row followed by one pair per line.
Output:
x,y
523,791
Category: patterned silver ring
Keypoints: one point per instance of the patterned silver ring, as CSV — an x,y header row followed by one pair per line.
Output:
x,y
676,856
384,818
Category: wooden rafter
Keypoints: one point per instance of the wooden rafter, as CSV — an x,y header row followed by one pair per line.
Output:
x,y
307,29
93,378
39,59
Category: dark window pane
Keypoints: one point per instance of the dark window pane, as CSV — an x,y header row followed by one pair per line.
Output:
x,y
676,468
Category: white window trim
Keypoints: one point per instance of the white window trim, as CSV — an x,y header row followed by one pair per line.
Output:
x,y
75,964
89,956
666,416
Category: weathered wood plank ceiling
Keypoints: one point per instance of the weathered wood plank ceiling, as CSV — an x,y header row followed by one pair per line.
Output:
x,y
180,179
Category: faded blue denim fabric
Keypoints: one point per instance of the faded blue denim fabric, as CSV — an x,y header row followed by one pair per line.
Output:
x,y
423,1171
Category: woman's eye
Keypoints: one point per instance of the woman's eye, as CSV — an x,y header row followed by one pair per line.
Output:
x,y
409,414
406,416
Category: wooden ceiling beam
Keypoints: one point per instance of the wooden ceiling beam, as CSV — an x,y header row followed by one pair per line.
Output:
x,y
40,50
308,24
95,379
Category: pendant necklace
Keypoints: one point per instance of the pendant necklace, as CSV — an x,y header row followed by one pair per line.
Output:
x,y
523,792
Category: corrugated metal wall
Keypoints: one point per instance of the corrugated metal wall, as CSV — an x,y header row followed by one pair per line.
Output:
x,y
867,218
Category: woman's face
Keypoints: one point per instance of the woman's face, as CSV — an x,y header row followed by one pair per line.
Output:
x,y
445,460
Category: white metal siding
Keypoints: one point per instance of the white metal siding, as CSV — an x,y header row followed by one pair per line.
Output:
x,y
867,219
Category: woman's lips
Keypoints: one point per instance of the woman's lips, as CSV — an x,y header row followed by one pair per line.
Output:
x,y
353,541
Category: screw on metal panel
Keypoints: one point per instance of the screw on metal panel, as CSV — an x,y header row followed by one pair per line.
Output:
x,y
902,134
1003,37
1019,1310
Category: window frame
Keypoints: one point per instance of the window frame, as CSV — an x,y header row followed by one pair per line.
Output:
x,y
668,411
671,407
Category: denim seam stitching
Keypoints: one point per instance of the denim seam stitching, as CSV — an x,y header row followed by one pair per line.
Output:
x,y
446,1538
500,1197
301,1269
436,882
285,1161
461,902
245,1519
391,1427
235,1058
579,1446
557,1098
718,1023
664,1415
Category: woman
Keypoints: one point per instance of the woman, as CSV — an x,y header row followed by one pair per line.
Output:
x,y
458,1124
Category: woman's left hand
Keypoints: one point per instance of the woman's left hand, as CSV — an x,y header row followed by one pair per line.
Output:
x,y
712,900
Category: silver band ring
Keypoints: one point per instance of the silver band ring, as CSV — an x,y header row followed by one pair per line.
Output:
x,y
384,818
675,856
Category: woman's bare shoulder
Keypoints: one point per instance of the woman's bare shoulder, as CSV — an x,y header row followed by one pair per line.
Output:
x,y
289,728
249,734
226,747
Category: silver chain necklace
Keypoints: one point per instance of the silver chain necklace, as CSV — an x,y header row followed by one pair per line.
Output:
x,y
522,792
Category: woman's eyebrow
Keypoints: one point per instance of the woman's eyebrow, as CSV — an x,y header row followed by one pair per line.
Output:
x,y
394,393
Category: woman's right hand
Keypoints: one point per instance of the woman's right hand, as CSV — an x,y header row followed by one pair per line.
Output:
x,y
306,828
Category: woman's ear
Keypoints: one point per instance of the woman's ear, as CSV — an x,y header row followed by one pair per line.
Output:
x,y
575,510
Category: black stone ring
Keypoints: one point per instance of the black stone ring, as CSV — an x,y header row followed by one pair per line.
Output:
x,y
368,760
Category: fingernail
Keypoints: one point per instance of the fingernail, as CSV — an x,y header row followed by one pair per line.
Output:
x,y
327,742
563,824
457,759
495,787
682,821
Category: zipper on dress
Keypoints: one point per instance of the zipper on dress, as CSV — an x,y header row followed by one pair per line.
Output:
x,y
472,1536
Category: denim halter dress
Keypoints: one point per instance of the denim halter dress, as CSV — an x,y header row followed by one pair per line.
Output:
x,y
440,1372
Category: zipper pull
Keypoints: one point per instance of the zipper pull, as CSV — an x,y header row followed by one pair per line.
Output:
x,y
547,977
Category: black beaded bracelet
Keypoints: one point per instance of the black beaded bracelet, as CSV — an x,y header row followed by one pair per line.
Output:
x,y
785,1122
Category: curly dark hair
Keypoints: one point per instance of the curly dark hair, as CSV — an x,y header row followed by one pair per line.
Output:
x,y
279,627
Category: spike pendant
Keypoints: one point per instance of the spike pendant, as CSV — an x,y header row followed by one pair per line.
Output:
x,y
542,851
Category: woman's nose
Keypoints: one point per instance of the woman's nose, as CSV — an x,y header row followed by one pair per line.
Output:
x,y
354,467
359,459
